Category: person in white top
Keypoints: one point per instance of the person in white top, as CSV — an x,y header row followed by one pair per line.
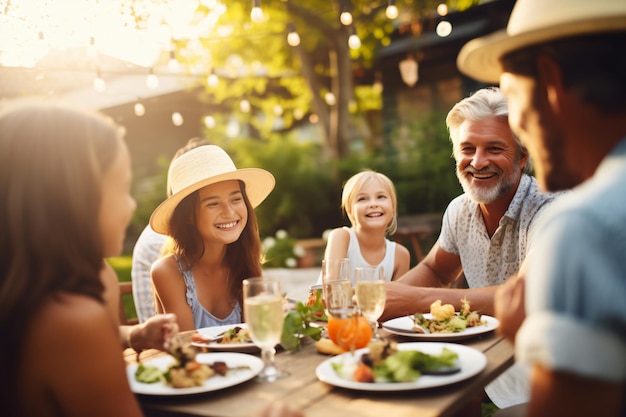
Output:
x,y
369,201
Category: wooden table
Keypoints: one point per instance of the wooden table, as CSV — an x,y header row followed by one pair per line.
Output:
x,y
303,391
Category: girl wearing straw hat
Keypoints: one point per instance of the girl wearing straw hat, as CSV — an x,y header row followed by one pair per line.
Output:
x,y
215,238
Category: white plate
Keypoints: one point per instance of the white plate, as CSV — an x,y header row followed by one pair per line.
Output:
x,y
213,383
215,331
403,326
471,362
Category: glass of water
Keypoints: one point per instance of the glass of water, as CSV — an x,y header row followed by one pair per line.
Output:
x,y
337,287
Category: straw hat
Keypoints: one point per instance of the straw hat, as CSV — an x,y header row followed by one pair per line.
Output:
x,y
539,21
204,166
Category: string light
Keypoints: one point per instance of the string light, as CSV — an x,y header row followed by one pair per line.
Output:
x,y
330,99
139,109
92,52
177,119
293,39
99,85
354,42
244,106
346,16
173,65
392,10
256,14
152,81
444,28
442,9
212,80
209,122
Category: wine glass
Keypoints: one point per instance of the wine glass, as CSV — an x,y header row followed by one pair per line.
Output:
x,y
263,312
370,294
337,287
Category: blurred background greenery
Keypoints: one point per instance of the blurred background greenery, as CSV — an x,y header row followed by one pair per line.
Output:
x,y
307,197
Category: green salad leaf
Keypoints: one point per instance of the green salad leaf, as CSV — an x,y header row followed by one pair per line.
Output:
x,y
408,365
148,374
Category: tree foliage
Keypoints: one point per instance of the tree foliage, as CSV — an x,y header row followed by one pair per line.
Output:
x,y
281,85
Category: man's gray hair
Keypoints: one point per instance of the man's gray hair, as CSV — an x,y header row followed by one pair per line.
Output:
x,y
483,103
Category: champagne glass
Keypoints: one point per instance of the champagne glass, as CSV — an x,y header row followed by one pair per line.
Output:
x,y
337,287
370,294
263,312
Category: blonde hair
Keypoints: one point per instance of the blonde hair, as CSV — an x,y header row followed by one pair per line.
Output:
x,y
356,183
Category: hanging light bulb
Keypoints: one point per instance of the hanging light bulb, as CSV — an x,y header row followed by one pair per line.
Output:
x,y
442,9
330,99
444,28
140,110
345,18
392,10
353,41
99,85
212,80
92,52
173,65
209,122
293,39
152,81
244,106
177,119
256,14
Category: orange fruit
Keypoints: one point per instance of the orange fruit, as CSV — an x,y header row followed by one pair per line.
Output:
x,y
349,333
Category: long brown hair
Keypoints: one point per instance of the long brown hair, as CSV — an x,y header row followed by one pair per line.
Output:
x,y
52,159
243,257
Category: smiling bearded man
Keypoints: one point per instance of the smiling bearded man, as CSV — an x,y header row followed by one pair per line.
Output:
x,y
486,232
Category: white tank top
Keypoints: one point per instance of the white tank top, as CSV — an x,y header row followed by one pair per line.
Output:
x,y
356,259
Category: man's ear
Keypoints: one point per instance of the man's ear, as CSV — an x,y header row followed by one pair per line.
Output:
x,y
551,78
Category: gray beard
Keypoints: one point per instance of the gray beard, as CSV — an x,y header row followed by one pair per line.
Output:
x,y
484,195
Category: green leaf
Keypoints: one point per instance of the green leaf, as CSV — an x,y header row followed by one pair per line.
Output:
x,y
296,325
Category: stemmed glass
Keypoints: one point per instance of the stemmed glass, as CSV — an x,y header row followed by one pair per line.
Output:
x,y
337,287
370,294
263,312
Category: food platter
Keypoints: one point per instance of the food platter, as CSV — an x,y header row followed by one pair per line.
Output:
x,y
403,326
212,334
470,362
248,366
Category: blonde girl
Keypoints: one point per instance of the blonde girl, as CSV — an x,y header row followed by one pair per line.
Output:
x,y
369,201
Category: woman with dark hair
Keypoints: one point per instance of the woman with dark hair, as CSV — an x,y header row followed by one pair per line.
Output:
x,y
215,241
65,190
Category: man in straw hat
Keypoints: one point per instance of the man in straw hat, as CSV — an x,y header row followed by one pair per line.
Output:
x,y
216,244
562,66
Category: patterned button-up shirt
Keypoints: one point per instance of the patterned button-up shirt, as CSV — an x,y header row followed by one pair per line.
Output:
x,y
490,261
